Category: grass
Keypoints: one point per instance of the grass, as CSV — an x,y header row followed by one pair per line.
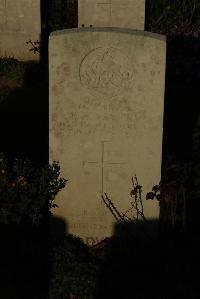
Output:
x,y
168,16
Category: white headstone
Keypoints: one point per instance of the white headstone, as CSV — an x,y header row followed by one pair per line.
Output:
x,y
112,13
106,118
19,23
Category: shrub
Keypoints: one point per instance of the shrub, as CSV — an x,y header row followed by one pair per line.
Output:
x,y
26,192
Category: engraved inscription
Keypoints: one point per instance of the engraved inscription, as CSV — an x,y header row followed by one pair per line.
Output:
x,y
91,241
106,71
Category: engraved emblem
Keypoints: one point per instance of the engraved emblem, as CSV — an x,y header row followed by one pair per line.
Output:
x,y
106,71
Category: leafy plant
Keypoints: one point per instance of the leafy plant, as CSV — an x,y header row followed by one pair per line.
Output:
x,y
136,204
172,195
27,193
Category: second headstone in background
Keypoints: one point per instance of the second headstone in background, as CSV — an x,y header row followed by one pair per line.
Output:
x,y
20,22
112,13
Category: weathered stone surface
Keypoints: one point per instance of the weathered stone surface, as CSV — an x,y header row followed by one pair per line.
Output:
x,y
19,23
106,118
112,13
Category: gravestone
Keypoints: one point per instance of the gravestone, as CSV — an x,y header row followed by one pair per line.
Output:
x,y
106,118
19,23
112,13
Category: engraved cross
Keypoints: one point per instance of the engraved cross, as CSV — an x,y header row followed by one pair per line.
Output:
x,y
103,164
109,4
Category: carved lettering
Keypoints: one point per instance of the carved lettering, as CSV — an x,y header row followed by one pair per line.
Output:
x,y
90,241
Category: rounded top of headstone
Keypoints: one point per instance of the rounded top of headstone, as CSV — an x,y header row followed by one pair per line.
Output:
x,y
110,29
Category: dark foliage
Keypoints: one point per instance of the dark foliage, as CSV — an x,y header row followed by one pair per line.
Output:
x,y
26,192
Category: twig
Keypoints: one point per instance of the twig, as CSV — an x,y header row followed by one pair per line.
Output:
x,y
141,203
138,211
124,214
114,208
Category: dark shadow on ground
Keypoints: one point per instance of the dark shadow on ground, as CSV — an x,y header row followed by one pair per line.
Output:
x,y
24,118
181,96
24,250
181,131
25,261
180,119
138,267
24,134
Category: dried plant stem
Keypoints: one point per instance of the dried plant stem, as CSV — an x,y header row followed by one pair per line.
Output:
x,y
140,213
108,206
114,208
137,204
